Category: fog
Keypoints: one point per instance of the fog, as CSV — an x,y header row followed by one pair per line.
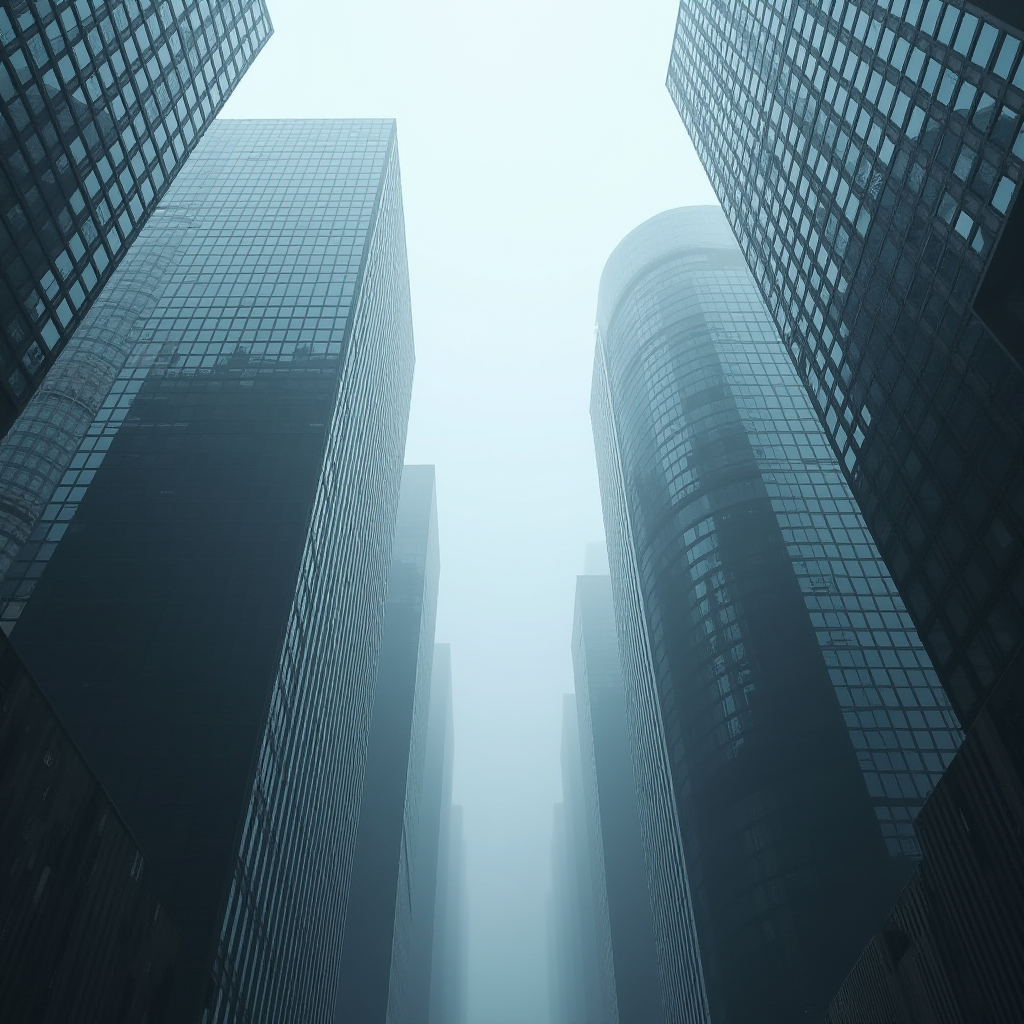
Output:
x,y
533,135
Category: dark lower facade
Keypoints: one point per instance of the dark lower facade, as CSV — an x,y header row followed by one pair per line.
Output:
x,y
100,106
427,907
952,948
83,934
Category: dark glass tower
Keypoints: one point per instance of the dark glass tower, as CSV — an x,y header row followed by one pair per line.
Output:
x,y
202,596
377,958
611,804
800,718
100,105
868,156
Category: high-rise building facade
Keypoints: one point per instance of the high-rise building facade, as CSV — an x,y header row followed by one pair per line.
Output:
x,y
84,935
801,721
100,105
611,804
202,596
869,157
375,964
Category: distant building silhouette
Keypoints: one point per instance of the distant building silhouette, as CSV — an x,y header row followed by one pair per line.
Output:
x,y
777,692
201,598
583,989
611,802
448,982
435,806
378,962
100,106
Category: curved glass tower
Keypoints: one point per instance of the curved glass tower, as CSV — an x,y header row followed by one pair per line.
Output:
x,y
785,720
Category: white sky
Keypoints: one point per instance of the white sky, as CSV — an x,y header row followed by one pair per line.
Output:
x,y
533,135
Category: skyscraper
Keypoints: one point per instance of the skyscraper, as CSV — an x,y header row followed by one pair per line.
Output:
x,y
100,105
611,803
767,652
202,596
868,157
376,958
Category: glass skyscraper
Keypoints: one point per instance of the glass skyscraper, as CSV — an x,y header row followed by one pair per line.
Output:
x,y
868,156
100,105
202,593
773,677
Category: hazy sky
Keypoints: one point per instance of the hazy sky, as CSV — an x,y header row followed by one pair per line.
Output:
x,y
533,135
